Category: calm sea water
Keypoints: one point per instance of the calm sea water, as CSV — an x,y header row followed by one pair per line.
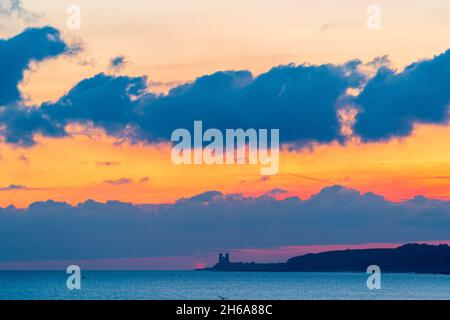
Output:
x,y
160,285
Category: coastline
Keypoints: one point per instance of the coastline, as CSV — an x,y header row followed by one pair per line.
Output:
x,y
408,258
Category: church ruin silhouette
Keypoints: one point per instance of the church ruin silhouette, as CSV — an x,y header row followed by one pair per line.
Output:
x,y
224,258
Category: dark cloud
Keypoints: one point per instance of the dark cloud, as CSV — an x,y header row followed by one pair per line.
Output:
x,y
214,221
20,187
108,163
391,103
19,124
286,97
119,182
16,54
117,63
104,101
13,187
300,100
276,192
144,180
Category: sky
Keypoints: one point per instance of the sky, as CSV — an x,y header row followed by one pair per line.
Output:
x,y
86,114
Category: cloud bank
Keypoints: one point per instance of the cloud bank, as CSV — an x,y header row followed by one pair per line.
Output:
x,y
213,221
301,100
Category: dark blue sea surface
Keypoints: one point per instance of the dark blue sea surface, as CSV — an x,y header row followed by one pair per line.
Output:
x,y
162,285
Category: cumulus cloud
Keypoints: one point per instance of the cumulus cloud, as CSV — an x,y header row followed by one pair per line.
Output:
x,y
285,97
290,98
214,221
21,123
391,103
298,100
105,101
16,54
18,124
303,101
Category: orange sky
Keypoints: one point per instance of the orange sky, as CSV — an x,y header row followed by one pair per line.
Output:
x,y
178,40
73,170
172,42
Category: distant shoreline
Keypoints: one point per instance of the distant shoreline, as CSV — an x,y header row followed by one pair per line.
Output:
x,y
408,258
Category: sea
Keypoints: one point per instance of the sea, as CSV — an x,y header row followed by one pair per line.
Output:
x,y
206,285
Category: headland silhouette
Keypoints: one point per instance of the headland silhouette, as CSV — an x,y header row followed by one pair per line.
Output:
x,y
408,258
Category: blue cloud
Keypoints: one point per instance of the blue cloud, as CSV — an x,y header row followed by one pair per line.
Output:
x,y
16,54
391,103
91,230
300,100
19,124
117,63
22,123
104,101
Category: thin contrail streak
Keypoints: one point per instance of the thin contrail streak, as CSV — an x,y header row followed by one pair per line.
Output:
x,y
308,178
